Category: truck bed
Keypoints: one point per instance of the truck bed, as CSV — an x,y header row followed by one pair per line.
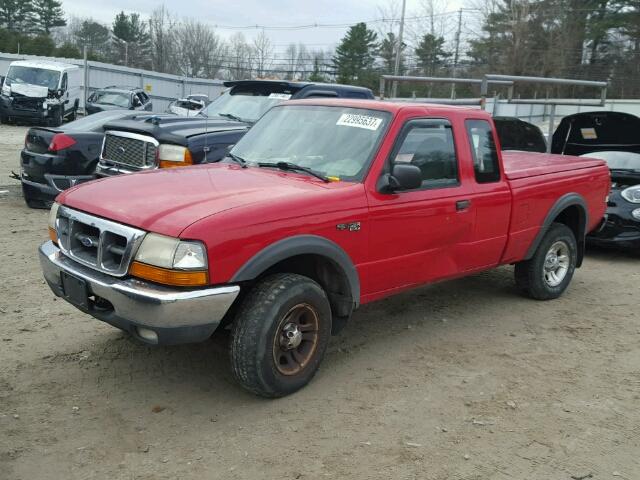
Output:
x,y
526,164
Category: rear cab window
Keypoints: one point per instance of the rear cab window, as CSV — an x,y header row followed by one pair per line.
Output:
x,y
486,163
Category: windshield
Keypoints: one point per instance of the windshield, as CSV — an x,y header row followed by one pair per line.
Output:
x,y
334,141
618,160
111,98
33,76
95,122
245,104
188,104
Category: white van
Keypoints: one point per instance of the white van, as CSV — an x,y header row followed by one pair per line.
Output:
x,y
40,91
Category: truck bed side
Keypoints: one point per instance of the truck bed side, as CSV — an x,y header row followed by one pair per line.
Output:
x,y
543,187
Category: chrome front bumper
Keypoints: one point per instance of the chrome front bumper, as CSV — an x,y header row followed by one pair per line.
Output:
x,y
152,313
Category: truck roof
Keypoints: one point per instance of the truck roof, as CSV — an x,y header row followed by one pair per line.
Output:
x,y
44,64
393,107
296,85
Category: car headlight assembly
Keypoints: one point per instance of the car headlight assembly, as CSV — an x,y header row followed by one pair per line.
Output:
x,y
171,156
632,194
171,261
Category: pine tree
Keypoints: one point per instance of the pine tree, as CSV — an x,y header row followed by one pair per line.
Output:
x,y
431,54
132,39
388,50
355,56
48,14
16,15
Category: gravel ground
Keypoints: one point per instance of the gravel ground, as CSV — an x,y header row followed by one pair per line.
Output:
x,y
460,380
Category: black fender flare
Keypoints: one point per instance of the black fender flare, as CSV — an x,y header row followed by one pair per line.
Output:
x,y
567,200
301,245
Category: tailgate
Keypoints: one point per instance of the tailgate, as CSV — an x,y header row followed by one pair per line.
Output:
x,y
525,164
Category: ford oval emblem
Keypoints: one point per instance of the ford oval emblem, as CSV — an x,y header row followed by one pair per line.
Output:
x,y
87,242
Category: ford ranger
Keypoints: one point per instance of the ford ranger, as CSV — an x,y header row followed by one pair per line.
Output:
x,y
324,205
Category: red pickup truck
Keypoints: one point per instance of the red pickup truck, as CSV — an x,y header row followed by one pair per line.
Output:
x,y
323,206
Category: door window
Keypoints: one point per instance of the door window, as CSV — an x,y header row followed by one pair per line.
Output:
x,y
484,151
429,145
63,85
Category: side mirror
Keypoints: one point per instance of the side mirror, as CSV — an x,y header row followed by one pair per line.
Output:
x,y
136,102
403,176
60,92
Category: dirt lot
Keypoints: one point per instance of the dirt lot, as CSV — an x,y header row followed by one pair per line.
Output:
x,y
461,380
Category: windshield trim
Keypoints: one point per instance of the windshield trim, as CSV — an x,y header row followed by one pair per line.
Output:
x,y
375,151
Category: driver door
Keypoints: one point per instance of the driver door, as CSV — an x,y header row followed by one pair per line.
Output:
x,y
414,234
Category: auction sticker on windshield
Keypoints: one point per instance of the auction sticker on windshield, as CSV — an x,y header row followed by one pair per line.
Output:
x,y
359,121
280,96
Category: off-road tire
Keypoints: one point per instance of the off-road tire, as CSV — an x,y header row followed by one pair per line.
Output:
x,y
530,274
257,327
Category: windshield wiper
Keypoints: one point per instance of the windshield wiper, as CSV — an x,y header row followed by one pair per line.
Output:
x,y
287,166
241,161
233,117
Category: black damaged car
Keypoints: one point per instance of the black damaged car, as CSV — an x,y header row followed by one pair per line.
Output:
x,y
54,159
615,138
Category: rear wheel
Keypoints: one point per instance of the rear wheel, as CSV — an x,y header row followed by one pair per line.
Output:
x,y
280,335
549,272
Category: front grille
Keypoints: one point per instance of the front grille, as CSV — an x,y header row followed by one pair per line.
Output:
x,y
97,243
27,104
134,151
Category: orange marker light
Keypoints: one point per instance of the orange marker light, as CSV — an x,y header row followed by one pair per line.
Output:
x,y
165,276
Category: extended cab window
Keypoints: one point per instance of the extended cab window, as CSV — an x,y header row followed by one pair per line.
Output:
x,y
428,144
484,151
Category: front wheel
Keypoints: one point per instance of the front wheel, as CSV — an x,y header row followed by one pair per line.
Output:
x,y
280,334
549,272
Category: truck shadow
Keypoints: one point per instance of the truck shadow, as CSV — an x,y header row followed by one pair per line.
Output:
x,y
122,367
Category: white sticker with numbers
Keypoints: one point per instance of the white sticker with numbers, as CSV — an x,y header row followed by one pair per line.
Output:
x,y
359,121
280,96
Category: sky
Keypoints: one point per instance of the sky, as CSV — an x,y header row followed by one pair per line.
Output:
x,y
272,13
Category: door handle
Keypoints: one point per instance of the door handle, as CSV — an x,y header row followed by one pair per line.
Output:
x,y
462,205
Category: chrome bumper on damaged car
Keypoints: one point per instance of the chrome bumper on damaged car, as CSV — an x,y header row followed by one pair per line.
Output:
x,y
152,313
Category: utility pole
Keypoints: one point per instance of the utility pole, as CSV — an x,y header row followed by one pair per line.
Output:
x,y
456,55
396,70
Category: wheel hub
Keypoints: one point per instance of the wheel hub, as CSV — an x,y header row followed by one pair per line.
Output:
x,y
295,342
556,264
291,337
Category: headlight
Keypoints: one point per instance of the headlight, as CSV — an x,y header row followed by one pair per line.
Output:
x,y
171,261
632,194
53,214
174,156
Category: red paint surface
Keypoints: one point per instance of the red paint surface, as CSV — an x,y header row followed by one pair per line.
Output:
x,y
407,239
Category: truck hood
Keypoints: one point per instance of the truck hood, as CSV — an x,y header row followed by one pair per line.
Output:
x,y
28,90
168,201
173,128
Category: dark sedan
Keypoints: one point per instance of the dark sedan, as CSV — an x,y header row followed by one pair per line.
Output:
x,y
118,98
54,159
615,138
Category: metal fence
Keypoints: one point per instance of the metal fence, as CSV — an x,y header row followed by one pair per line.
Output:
x,y
161,87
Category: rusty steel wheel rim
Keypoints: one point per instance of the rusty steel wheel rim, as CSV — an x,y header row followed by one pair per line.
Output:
x,y
296,339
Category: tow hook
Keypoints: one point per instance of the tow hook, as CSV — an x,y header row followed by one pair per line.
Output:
x,y
14,175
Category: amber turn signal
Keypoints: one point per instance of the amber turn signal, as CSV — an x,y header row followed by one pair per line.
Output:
x,y
165,276
53,235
